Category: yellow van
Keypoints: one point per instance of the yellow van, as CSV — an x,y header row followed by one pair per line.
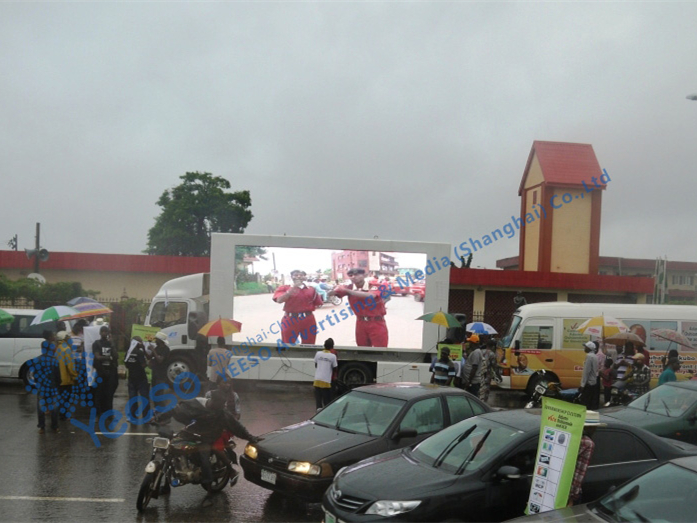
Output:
x,y
544,336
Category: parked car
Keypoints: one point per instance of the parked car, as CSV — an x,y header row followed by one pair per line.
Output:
x,y
480,470
301,460
20,341
665,493
418,290
669,411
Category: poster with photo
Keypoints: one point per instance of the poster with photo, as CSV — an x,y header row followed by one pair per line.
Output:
x,y
560,436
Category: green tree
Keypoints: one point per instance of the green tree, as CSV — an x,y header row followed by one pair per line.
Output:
x,y
194,209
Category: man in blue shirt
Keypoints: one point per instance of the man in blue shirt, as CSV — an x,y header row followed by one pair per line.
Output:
x,y
443,369
669,374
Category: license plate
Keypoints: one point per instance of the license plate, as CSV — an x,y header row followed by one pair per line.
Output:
x,y
329,518
268,476
541,389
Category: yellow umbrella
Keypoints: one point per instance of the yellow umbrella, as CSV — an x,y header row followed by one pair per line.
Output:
x,y
602,326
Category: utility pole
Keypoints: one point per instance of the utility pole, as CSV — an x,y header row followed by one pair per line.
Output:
x,y
38,247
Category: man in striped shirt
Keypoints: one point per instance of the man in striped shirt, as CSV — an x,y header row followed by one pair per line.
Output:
x,y
443,369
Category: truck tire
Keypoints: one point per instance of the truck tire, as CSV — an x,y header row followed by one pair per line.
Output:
x,y
178,364
417,297
356,374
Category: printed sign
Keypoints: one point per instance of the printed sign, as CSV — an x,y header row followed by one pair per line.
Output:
x,y
455,350
571,338
560,437
146,333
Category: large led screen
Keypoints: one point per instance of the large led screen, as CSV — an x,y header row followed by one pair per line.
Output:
x,y
302,295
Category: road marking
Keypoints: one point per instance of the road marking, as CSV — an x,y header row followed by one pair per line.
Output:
x,y
129,433
46,498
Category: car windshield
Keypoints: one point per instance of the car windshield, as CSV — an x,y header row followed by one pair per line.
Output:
x,y
361,413
465,445
667,493
506,340
673,402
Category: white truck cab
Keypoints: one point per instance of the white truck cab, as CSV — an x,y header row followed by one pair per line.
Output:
x,y
180,309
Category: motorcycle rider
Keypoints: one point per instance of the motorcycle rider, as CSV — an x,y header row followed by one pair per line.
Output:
x,y
642,376
221,404
624,366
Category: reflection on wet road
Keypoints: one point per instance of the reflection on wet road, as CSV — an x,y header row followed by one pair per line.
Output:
x,y
64,477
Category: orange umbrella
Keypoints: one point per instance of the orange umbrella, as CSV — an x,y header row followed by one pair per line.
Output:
x,y
220,327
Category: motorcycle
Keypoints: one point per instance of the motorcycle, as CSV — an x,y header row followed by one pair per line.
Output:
x,y
621,394
175,461
549,389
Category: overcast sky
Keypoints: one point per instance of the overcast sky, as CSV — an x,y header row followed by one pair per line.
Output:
x,y
406,121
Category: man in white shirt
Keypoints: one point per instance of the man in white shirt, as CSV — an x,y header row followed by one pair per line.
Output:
x,y
325,363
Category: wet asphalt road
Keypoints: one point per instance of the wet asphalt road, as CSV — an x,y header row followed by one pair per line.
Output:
x,y
65,477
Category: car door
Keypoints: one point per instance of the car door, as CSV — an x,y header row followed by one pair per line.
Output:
x,y
425,416
507,498
618,456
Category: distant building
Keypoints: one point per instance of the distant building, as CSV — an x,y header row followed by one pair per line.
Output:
x,y
376,263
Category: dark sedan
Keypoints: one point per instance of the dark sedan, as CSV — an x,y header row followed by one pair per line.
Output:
x,y
301,460
667,493
669,411
480,470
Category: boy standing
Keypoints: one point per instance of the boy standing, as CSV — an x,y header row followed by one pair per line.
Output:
x,y
325,363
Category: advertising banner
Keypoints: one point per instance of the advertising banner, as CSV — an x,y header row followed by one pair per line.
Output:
x,y
455,350
146,333
561,431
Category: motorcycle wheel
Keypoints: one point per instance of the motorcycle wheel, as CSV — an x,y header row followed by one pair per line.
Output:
x,y
335,300
221,473
147,488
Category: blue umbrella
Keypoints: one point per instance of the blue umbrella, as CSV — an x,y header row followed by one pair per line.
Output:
x,y
479,327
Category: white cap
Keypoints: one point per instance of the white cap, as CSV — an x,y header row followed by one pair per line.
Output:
x,y
162,336
62,335
589,345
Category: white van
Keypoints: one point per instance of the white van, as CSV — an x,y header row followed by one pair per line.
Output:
x,y
20,342
544,336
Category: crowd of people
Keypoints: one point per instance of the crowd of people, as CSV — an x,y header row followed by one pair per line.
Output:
x,y
626,367
76,368
473,372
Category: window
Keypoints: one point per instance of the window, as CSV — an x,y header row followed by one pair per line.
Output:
x,y
616,446
425,416
174,313
537,337
459,407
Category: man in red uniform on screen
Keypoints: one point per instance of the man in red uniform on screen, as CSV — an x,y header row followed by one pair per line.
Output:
x,y
299,300
369,308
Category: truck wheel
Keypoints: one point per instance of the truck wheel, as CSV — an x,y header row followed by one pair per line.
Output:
x,y
356,374
27,376
417,297
177,365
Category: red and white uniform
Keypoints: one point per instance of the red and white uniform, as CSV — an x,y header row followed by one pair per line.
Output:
x,y
298,320
371,329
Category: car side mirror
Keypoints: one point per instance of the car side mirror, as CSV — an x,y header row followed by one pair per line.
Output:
x,y
404,433
508,472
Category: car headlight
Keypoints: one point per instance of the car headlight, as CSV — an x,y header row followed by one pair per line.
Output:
x,y
303,467
392,508
251,451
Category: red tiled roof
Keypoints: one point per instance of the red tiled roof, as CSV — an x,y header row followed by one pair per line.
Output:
x,y
84,261
564,164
